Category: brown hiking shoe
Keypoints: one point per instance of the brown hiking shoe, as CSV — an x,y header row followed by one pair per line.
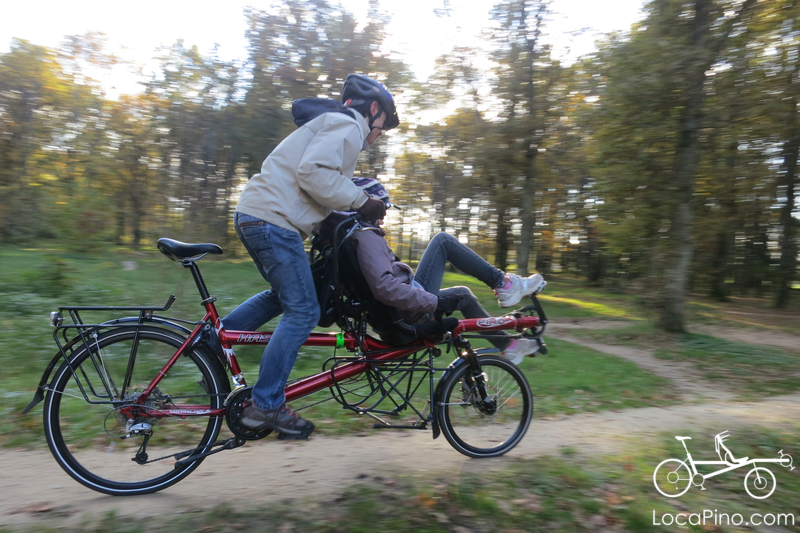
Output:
x,y
288,424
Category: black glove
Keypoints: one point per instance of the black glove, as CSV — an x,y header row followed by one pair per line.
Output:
x,y
447,304
373,210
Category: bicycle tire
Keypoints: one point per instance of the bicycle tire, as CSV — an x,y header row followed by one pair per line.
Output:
x,y
468,427
672,478
763,487
88,439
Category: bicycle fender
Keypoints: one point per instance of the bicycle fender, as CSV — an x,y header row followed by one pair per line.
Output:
x,y
40,390
217,365
152,320
437,393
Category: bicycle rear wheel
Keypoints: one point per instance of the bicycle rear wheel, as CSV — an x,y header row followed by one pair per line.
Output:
x,y
94,443
485,429
672,478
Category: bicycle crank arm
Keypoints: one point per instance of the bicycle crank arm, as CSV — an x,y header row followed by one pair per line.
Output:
x,y
231,443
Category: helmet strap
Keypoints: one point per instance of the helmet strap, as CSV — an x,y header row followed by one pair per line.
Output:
x,y
370,118
374,117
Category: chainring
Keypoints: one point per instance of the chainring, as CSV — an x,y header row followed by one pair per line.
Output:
x,y
234,410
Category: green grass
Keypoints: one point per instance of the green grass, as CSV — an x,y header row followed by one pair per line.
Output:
x,y
578,379
753,371
571,379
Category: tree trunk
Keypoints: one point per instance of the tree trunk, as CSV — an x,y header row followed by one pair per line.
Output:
x,y
528,214
703,52
788,243
528,217
137,208
501,253
119,213
720,266
595,263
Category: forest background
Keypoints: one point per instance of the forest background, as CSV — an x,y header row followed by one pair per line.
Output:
x,y
664,162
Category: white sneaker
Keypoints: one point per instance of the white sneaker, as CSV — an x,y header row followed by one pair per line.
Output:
x,y
520,287
521,349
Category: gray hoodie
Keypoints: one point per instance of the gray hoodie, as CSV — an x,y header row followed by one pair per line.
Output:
x,y
389,279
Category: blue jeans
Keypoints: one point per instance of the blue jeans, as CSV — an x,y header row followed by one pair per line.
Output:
x,y
281,259
443,249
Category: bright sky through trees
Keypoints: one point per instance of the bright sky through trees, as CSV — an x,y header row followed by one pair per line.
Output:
x,y
136,29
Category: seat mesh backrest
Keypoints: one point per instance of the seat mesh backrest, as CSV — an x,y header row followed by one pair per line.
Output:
x,y
380,316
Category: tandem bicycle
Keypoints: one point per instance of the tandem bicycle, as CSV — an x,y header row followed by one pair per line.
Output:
x,y
133,404
673,477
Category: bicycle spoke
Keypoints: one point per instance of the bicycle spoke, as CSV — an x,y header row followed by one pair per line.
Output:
x,y
95,442
478,430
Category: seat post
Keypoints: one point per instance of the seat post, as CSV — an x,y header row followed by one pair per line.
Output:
x,y
684,447
198,278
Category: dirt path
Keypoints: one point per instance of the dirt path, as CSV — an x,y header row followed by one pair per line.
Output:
x,y
778,339
36,491
682,375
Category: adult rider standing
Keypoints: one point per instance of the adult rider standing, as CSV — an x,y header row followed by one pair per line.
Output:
x,y
308,175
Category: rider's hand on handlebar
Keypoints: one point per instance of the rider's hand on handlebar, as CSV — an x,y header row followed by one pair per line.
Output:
x,y
447,304
373,210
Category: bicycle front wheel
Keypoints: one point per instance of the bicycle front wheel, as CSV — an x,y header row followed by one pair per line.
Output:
x,y
672,478
759,483
485,428
113,453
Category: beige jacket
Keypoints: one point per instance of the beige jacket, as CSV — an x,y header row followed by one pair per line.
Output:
x,y
309,174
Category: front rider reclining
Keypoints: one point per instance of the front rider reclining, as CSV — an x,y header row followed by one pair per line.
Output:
x,y
418,294
306,177
723,450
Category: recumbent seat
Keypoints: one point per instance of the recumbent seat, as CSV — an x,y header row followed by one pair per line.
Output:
x,y
382,318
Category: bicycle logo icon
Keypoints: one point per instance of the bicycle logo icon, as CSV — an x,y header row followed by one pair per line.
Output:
x,y
673,477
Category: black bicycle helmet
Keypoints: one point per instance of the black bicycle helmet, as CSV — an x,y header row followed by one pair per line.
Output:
x,y
361,88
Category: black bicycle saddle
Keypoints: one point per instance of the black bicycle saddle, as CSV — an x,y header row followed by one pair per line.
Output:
x,y
178,251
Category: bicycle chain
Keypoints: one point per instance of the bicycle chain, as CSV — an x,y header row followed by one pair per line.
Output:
x,y
175,455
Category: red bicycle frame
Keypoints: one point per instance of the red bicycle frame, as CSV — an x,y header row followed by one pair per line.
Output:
x,y
378,351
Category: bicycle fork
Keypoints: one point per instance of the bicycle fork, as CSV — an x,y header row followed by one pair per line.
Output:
x,y
478,389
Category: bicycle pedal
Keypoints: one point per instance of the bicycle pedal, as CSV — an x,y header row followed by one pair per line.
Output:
x,y
300,436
